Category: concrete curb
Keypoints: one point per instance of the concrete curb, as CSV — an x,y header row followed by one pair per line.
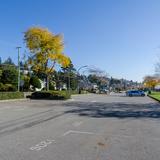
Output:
x,y
153,98
82,94
13,100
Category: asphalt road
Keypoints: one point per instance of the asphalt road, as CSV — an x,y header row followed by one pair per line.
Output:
x,y
87,127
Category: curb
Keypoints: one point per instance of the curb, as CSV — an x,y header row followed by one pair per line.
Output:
x,y
13,100
153,98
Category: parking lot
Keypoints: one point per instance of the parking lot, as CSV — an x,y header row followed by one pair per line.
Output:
x,y
86,127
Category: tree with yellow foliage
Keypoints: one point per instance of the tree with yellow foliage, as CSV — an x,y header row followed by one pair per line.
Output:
x,y
150,82
47,51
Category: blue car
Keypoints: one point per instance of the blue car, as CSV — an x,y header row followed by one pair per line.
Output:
x,y
135,93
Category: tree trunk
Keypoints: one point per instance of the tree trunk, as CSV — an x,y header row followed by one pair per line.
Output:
x,y
47,83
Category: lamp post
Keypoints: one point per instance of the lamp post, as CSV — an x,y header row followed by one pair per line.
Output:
x,y
18,48
69,81
78,74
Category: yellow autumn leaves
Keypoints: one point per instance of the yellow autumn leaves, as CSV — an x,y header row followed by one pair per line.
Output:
x,y
150,81
47,49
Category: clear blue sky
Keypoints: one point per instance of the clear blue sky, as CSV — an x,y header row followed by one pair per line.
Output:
x,y
121,37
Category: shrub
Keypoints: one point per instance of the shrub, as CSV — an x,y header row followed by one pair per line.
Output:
x,y
26,85
10,87
7,87
9,75
52,85
52,95
11,95
2,87
35,82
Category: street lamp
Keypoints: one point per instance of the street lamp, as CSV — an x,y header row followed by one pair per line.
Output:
x,y
69,81
18,48
78,72
81,68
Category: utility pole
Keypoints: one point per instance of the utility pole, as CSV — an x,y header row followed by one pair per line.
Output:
x,y
18,48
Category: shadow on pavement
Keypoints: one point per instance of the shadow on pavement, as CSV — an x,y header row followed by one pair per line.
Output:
x,y
116,110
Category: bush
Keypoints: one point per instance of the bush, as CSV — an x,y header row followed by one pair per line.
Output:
x,y
7,87
2,87
11,95
26,85
10,87
35,82
52,95
52,85
9,75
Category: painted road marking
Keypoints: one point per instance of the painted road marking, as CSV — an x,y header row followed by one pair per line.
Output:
x,y
20,109
46,143
6,107
42,145
93,101
13,107
71,99
76,124
77,132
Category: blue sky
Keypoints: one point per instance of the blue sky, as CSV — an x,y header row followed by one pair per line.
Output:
x,y
121,37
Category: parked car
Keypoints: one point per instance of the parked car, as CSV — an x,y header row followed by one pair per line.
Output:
x,y
135,93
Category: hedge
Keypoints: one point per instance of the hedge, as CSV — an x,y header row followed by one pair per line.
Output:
x,y
7,87
51,95
11,95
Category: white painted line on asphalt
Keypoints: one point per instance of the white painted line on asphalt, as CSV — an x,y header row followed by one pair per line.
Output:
x,y
20,109
71,99
7,107
76,124
93,101
13,107
41,145
80,132
77,132
66,133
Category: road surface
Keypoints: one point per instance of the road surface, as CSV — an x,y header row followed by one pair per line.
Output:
x,y
86,127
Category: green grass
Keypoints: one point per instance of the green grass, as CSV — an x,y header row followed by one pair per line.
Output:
x,y
155,95
11,95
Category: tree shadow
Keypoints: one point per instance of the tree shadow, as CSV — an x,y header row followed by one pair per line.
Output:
x,y
116,110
